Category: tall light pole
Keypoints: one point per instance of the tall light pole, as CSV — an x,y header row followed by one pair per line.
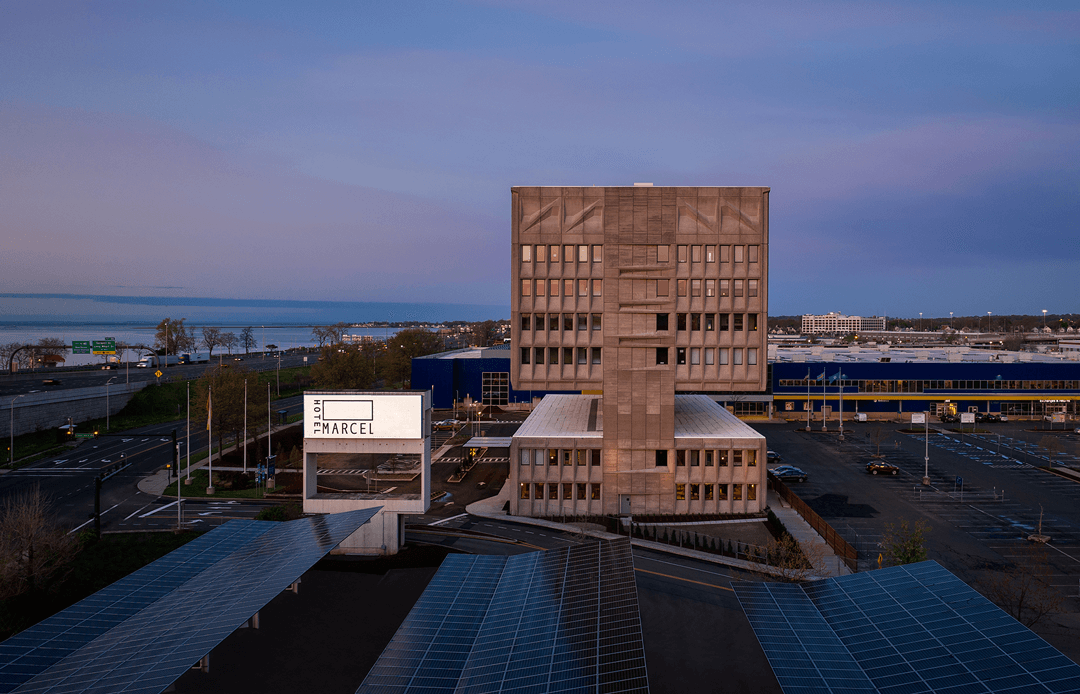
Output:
x,y
988,327
11,451
950,320
107,413
926,451
920,321
1044,319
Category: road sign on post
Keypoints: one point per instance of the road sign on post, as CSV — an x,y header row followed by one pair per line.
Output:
x,y
80,347
104,346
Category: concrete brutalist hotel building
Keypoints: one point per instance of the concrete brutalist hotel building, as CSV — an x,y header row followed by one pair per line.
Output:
x,y
646,299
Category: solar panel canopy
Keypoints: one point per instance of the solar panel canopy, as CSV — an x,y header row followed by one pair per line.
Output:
x,y
901,630
563,620
142,632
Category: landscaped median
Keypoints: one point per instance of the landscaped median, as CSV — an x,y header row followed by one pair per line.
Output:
x,y
233,485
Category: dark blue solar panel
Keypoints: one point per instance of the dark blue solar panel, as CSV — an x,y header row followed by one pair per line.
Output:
x,y
564,620
143,632
914,628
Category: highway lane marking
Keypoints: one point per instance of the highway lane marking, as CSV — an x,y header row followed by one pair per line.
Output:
x,y
688,580
134,512
92,520
161,508
447,520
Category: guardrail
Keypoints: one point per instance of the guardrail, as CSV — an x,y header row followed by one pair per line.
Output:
x,y
840,546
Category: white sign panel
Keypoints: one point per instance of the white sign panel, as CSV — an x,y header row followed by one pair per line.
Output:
x,y
363,416
967,417
918,418
1057,418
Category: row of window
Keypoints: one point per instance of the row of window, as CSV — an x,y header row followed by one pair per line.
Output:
x,y
550,355
559,456
712,355
566,286
585,321
570,490
711,287
699,492
582,253
724,322
722,457
919,386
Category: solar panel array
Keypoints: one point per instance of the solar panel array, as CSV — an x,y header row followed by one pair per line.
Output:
x,y
902,630
563,620
141,633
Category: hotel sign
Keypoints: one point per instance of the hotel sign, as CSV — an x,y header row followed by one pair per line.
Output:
x,y
363,416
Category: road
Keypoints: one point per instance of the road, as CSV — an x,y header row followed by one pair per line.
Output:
x,y
68,480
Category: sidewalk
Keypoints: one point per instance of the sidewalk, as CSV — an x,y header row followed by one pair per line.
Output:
x,y
830,565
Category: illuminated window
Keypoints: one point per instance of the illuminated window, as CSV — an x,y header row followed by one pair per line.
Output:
x,y
680,492
680,355
526,254
710,322
724,455
751,489
581,491
553,456
695,494
721,492
710,287
567,456
524,490
583,254
538,491
554,253
736,492
710,254
736,458
553,491
568,491
708,492
751,458
751,322
725,287
594,490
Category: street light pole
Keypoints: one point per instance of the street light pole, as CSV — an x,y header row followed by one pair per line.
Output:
x,y
926,451
11,450
950,320
1044,319
107,412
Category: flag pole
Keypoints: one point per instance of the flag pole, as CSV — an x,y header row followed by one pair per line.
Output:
x,y
188,433
245,425
210,440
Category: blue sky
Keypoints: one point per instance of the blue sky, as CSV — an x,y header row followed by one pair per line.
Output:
x,y
922,156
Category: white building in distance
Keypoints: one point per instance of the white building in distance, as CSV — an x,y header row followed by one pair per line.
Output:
x,y
839,323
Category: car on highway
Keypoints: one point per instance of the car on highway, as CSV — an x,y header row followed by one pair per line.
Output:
x,y
880,467
789,473
109,366
445,425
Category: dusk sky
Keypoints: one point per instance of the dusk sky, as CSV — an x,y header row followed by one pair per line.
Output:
x,y
922,156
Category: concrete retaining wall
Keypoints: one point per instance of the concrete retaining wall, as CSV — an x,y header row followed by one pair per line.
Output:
x,y
49,410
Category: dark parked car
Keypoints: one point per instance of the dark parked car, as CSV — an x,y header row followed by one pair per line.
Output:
x,y
950,419
880,467
788,473
773,457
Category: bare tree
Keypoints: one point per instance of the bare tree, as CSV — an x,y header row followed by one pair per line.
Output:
x,y
229,341
1022,587
32,547
1052,445
877,435
247,339
174,337
211,338
320,334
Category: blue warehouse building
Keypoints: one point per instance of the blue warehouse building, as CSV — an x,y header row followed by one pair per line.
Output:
x,y
481,374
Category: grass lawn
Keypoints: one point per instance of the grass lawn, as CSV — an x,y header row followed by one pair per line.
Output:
x,y
200,481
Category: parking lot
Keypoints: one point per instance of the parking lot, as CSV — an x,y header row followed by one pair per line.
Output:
x,y
982,502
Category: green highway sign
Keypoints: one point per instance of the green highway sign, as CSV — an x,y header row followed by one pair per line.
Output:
x,y
88,435
80,347
104,346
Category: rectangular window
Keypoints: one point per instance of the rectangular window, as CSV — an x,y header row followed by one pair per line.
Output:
x,y
695,321
662,254
553,286
695,494
568,288
736,492
710,356
721,356
680,321
695,458
594,456
709,458
681,250
568,321
526,353
739,253
526,287
752,251
751,458
662,322
725,254
553,355
736,357
724,455
695,356
738,288
538,459
594,491
582,355
751,322
583,254
751,287
680,492
568,491
738,322
721,492
751,356
540,253
581,491
680,458
710,287
597,287
526,321
595,355
583,287
567,456
597,253
695,287
568,355
539,351
662,287
526,254
553,321
554,253
525,455
596,320
710,322
695,254
751,489
568,254
541,287
725,287
553,491
582,321
680,355
710,254
538,491
553,456
661,356
524,490
661,459
736,458
725,322
708,492
680,286
579,459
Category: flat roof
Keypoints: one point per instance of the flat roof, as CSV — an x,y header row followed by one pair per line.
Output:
x,y
581,416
